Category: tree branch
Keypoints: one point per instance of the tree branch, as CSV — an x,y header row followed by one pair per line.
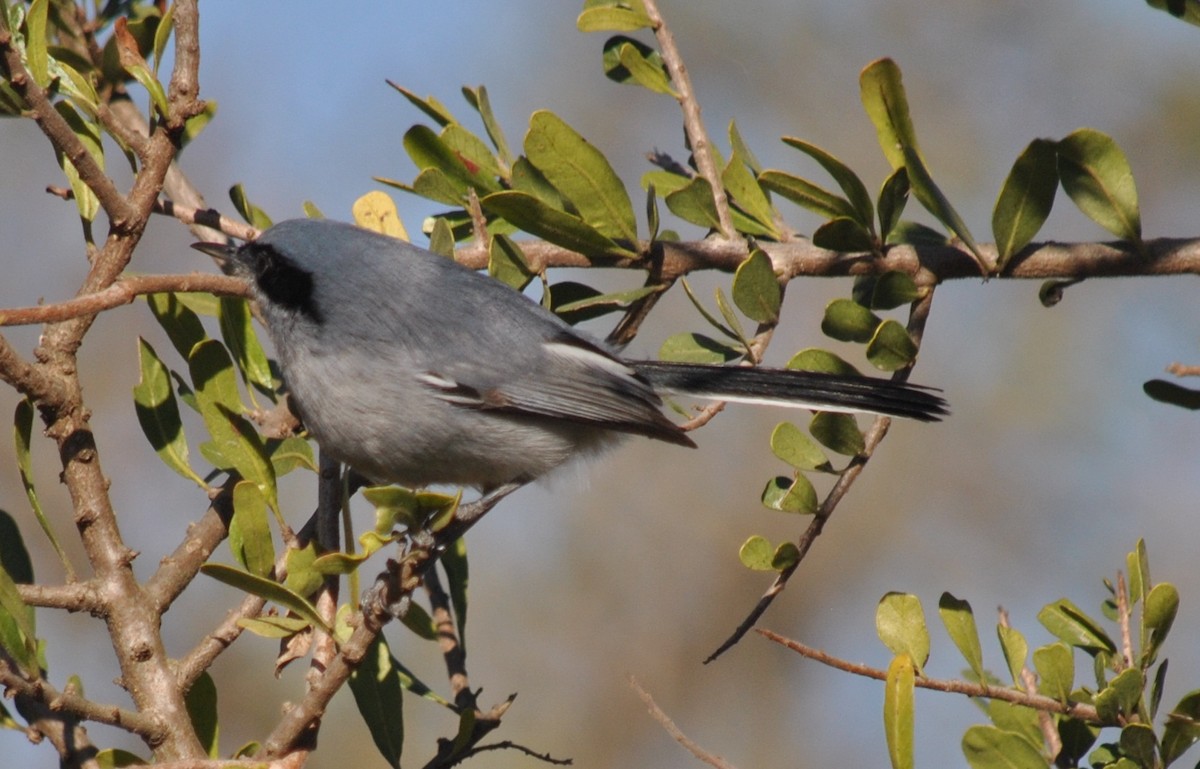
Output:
x,y
676,733
1038,702
123,292
693,124
918,315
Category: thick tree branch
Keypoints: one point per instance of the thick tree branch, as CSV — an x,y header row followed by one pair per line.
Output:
x,y
61,137
121,293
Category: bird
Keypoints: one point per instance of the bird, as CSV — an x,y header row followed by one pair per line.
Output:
x,y
413,369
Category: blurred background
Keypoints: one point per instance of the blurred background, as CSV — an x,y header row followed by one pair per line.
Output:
x,y
1053,464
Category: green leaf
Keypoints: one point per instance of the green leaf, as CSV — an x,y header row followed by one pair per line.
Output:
x,y
273,626
916,234
418,621
290,453
793,446
747,195
250,531
935,202
786,556
790,495
892,197
882,92
843,234
891,348
454,561
582,174
756,289
1017,719
234,438
198,122
478,158
696,348
162,35
506,263
852,186
182,325
429,151
1158,614
756,554
378,693
201,702
894,289
238,333
566,230
1025,199
14,558
632,62
1121,696
837,432
1055,666
478,98
899,710
959,621
88,134
18,630
303,578
694,203
253,215
433,108
22,434
848,321
158,414
593,304
115,758
807,195
441,239
814,359
36,55
1137,564
1156,689
900,624
1015,649
1077,737
1182,729
1096,175
987,747
1139,744
1172,394
613,17
1068,622
1186,10
265,588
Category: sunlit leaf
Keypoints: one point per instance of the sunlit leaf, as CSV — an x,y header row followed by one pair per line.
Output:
x,y
900,624
899,710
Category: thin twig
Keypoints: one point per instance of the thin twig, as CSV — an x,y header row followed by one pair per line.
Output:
x,y
1029,682
1123,612
676,733
449,642
918,315
970,688
693,124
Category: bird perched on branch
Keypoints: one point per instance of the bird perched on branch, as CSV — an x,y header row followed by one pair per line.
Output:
x,y
413,369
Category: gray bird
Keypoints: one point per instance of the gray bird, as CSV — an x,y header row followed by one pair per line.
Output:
x,y
413,369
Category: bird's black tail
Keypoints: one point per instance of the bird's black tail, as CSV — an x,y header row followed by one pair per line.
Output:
x,y
796,389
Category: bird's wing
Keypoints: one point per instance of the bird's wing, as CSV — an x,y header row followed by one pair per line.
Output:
x,y
572,380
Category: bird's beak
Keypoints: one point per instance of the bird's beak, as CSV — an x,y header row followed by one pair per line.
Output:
x,y
223,253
